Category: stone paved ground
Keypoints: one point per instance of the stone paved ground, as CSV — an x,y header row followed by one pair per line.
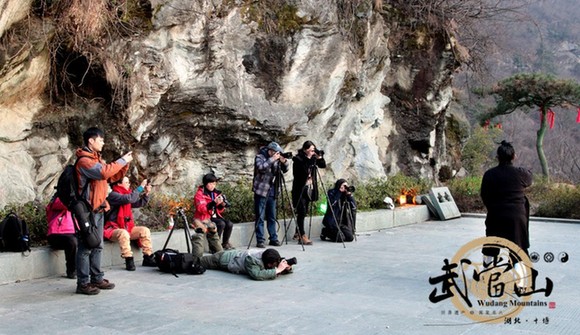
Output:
x,y
376,285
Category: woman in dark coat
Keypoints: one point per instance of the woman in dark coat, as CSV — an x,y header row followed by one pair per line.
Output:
x,y
342,208
502,192
305,184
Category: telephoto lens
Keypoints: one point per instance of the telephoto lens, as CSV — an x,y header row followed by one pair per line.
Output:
x,y
286,155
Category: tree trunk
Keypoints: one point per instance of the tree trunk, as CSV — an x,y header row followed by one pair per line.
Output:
x,y
540,144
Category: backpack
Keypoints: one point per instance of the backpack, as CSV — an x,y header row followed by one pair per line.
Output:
x,y
67,185
173,261
80,208
14,234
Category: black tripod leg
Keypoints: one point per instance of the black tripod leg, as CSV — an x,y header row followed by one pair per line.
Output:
x,y
168,237
311,206
284,193
187,233
329,205
338,225
351,222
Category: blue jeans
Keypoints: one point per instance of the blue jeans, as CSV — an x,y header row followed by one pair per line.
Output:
x,y
89,260
267,206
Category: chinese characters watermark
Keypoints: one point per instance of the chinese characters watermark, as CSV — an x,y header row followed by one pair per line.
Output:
x,y
501,285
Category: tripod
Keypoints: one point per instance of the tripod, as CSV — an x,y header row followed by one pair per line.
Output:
x,y
346,212
314,172
188,242
281,191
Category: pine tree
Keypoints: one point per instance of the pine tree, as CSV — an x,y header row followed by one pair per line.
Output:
x,y
535,90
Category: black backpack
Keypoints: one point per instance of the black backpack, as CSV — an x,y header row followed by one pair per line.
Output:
x,y
14,234
173,261
80,208
67,185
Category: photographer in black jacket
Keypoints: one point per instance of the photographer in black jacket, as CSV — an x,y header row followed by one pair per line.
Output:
x,y
305,184
341,208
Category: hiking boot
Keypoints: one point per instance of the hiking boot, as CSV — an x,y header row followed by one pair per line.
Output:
x,y
275,243
104,285
87,289
305,240
260,245
129,264
149,260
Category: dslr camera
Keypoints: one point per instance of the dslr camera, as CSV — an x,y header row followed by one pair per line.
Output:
x,y
226,202
319,152
291,261
286,155
350,189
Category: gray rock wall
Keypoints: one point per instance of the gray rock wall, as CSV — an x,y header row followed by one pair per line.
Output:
x,y
208,85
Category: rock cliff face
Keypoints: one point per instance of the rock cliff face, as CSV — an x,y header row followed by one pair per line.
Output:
x,y
211,82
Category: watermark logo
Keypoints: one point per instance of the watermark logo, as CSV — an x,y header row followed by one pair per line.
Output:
x,y
491,287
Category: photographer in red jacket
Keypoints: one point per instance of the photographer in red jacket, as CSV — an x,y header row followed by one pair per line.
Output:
x,y
210,204
120,225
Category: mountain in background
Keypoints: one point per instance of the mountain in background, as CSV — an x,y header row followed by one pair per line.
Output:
x,y
546,39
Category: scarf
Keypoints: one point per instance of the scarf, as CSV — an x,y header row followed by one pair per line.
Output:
x,y
124,211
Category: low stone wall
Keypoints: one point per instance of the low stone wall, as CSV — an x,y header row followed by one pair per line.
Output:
x,y
45,262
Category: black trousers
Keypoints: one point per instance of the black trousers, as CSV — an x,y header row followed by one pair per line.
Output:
x,y
302,205
224,228
68,243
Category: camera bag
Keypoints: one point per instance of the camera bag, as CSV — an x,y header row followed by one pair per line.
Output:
x,y
85,224
172,261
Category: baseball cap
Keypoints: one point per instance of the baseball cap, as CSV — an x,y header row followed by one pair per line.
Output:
x,y
275,146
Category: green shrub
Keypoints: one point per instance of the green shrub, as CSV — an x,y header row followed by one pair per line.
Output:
x,y
466,193
551,200
370,195
161,206
241,199
559,202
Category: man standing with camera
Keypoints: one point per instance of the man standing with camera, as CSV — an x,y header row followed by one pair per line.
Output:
x,y
92,174
269,165
305,184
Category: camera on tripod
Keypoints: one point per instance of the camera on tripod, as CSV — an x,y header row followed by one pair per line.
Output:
x,y
291,261
286,155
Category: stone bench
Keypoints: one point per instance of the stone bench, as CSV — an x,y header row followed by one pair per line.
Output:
x,y
45,262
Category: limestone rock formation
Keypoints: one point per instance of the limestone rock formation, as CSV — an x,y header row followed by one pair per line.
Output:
x,y
211,81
